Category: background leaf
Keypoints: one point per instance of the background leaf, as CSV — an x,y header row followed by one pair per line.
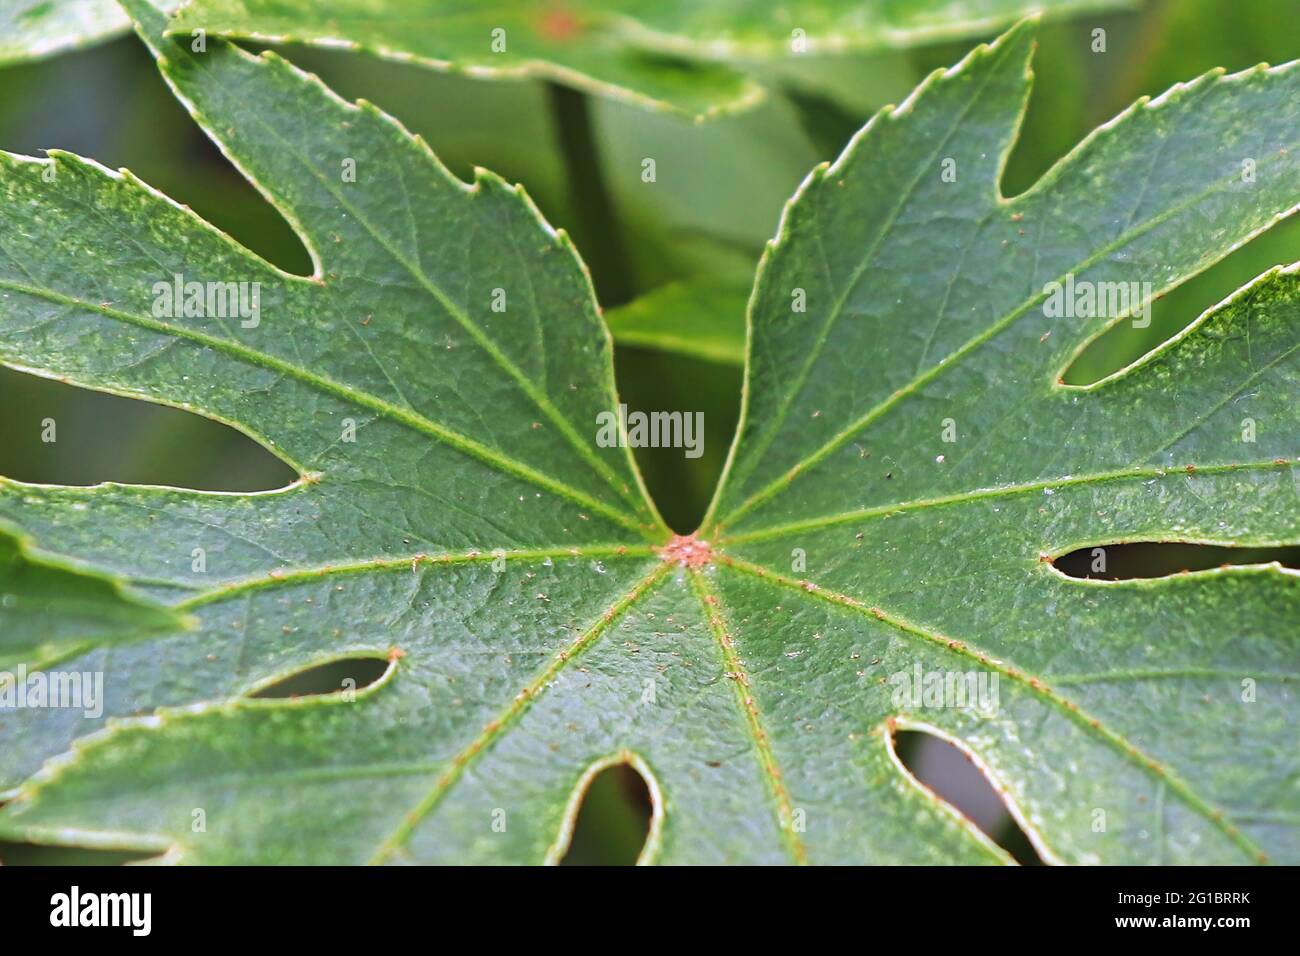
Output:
x,y
704,318
665,54
48,609
36,28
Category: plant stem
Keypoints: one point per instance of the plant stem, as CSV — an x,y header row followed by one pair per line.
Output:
x,y
599,239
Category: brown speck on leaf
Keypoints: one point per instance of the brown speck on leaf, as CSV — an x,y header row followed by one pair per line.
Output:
x,y
688,550
558,25
395,654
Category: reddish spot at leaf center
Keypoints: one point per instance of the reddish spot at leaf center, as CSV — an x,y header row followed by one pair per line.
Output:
x,y
558,25
687,550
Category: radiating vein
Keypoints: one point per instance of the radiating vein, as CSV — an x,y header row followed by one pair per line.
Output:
x,y
512,712
771,430
449,306
1033,684
983,494
412,561
917,381
711,606
411,419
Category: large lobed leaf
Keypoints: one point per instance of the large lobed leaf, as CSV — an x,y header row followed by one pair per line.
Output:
x,y
508,567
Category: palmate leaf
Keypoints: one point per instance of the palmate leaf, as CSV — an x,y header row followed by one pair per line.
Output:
x,y
540,622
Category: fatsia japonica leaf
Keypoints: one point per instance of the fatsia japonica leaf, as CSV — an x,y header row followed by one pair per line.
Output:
x,y
539,622
675,54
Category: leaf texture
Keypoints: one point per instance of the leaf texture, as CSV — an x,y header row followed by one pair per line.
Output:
x,y
540,621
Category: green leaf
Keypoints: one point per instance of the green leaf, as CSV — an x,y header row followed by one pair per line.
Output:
x,y
661,53
512,575
702,317
49,609
681,56
37,28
